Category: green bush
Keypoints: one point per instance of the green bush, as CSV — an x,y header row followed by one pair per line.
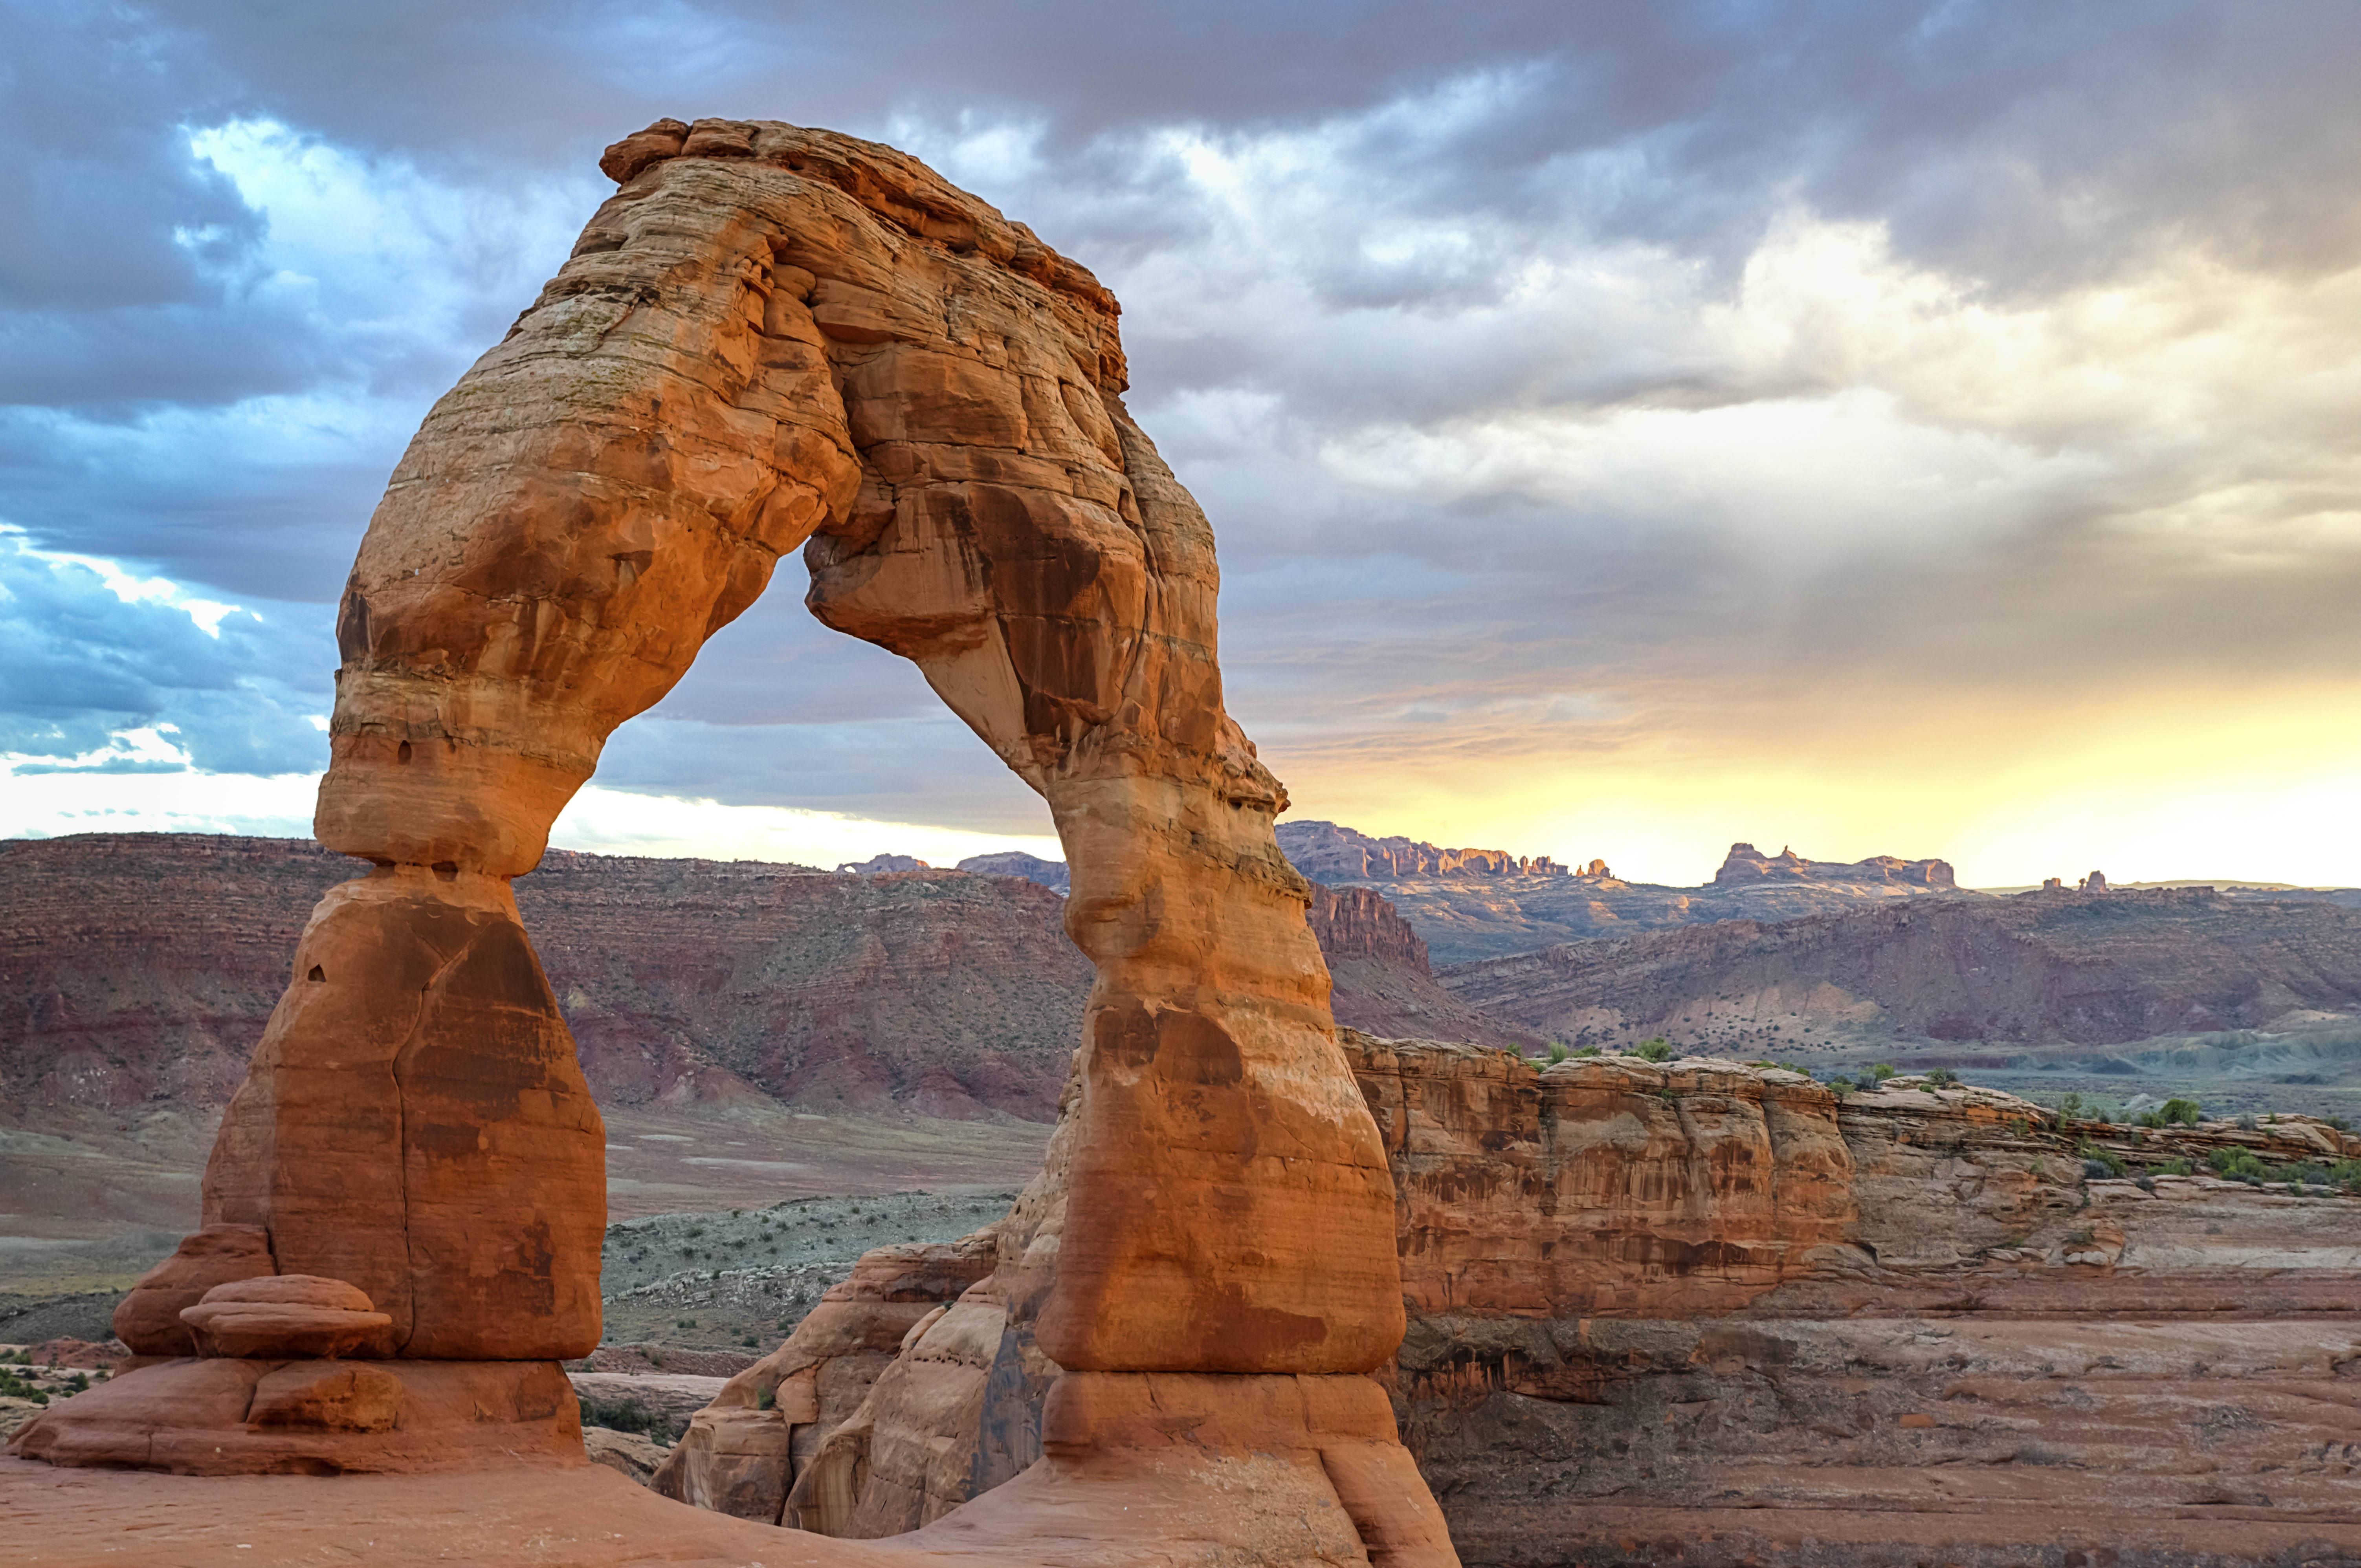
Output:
x,y
2068,1107
1589,1051
626,1416
1940,1078
1657,1049
1558,1052
1842,1086
2108,1162
1881,1072
2177,1112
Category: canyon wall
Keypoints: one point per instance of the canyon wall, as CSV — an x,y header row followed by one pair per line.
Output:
x,y
139,969
1711,1314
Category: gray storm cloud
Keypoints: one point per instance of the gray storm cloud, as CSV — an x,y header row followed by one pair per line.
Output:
x,y
1555,374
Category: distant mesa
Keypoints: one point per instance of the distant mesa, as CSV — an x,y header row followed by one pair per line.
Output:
x,y
1325,851
1746,865
2095,882
1050,874
878,865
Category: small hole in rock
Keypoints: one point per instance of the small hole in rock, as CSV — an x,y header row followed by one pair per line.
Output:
x,y
318,974
447,870
402,753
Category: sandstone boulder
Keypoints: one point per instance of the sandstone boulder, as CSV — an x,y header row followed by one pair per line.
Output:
x,y
149,1320
284,1316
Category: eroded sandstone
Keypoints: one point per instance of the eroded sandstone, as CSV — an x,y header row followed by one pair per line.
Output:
x,y
770,338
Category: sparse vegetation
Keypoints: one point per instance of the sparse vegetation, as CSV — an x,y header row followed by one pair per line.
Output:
x,y
2098,1162
1941,1077
1656,1050
1558,1052
1881,1072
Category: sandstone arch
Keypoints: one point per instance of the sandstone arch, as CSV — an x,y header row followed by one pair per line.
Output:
x,y
773,337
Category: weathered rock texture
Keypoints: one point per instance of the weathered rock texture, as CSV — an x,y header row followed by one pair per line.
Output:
x,y
769,337
1709,1312
1903,1325
2091,969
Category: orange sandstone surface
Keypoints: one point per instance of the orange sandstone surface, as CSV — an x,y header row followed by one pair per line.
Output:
x,y
773,338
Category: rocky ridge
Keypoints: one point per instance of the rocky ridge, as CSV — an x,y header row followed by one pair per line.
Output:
x,y
2062,968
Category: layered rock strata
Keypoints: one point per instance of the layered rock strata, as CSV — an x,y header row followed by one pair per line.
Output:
x,y
1712,1312
771,336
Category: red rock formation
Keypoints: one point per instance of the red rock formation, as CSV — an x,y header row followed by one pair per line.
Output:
x,y
1697,1311
773,335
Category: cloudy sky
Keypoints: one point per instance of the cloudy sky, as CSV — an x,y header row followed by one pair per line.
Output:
x,y
1877,427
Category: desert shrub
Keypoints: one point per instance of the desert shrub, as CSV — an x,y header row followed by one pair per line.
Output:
x,y
695,1231
1941,1076
16,1388
788,1325
1657,1049
685,1323
1589,1051
1843,1086
2069,1106
2178,1111
2146,1183
765,1399
2097,1161
2247,1123
2175,1168
2238,1165
1881,1072
2149,1119
1558,1052
2339,1122
626,1415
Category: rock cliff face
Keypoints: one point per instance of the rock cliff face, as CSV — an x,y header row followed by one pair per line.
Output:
x,y
1383,982
1327,853
2091,969
1710,1313
1902,1326
1470,904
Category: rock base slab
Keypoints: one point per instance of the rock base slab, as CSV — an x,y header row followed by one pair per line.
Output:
x,y
223,1417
